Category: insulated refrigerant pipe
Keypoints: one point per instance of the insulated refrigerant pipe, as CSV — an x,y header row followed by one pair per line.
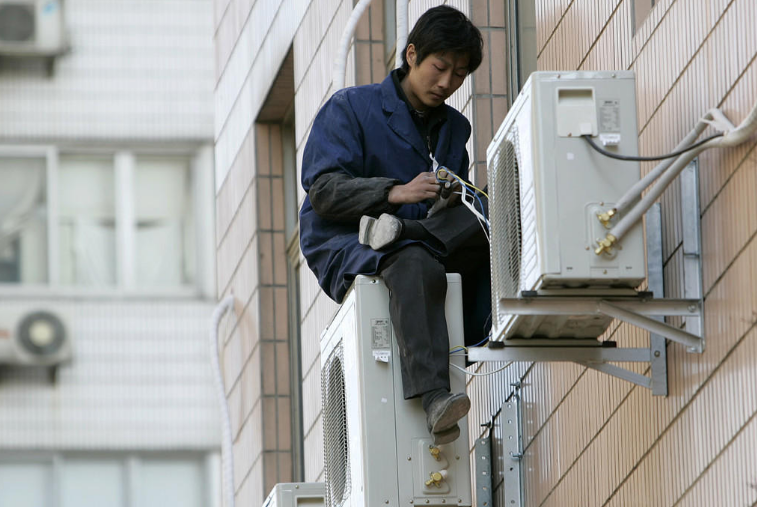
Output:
x,y
402,27
340,62
732,138
227,459
713,117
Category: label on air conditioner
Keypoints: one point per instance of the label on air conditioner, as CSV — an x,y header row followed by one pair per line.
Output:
x,y
609,115
381,334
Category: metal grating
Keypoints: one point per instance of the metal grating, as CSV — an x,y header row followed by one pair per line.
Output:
x,y
335,439
506,235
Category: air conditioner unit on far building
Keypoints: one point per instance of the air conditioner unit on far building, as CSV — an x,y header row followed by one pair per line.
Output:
x,y
33,338
32,28
296,494
547,188
377,449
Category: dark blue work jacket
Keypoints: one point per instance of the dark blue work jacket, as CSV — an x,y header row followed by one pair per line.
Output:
x,y
366,132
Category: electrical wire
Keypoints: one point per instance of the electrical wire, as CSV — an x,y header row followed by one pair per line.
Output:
x,y
481,374
653,158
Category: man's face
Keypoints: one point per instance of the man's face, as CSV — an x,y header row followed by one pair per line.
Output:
x,y
432,81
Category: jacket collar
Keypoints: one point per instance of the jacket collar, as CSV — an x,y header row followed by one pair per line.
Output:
x,y
400,120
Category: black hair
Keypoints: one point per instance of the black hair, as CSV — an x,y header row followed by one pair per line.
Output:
x,y
444,29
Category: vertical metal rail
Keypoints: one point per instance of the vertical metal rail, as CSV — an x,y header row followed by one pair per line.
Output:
x,y
657,343
692,248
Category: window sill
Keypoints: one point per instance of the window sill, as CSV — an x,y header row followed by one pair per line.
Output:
x,y
189,293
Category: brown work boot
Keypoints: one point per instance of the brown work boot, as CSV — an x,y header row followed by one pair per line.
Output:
x,y
443,413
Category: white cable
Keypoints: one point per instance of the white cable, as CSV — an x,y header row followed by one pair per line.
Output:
x,y
481,374
340,62
401,9
227,462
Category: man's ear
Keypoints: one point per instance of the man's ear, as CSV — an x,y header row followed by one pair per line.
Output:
x,y
411,55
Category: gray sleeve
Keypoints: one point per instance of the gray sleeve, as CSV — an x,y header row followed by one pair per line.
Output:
x,y
343,198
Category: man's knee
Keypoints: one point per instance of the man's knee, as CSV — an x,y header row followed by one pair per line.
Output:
x,y
416,263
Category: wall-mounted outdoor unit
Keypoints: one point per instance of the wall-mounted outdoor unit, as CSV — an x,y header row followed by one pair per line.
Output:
x,y
547,188
377,449
296,494
34,337
32,27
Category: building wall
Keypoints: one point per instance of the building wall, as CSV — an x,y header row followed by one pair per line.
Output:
x,y
153,83
591,439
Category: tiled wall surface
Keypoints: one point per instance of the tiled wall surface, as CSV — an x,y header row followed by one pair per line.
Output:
x,y
139,379
591,439
594,440
153,83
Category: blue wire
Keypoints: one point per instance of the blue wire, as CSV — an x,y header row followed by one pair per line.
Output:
x,y
482,341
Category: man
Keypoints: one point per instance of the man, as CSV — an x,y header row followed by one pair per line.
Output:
x,y
369,155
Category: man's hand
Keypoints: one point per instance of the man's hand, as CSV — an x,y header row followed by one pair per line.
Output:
x,y
422,187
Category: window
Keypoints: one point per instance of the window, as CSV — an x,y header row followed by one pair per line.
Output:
x,y
390,33
182,479
118,221
521,24
23,220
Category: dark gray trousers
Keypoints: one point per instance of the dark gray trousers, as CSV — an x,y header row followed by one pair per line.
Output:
x,y
417,282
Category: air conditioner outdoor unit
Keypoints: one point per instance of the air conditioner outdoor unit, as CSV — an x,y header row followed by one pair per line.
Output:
x,y
547,188
32,27
34,338
377,450
296,494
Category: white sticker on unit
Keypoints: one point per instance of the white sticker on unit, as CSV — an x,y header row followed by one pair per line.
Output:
x,y
382,355
381,333
571,156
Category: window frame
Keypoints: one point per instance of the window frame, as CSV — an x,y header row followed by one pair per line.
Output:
x,y
130,461
124,167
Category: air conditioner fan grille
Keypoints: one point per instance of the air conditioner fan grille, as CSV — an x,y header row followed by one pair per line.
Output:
x,y
335,437
505,217
17,22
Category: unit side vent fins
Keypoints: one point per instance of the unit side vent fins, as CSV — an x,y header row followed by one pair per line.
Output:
x,y
506,235
335,441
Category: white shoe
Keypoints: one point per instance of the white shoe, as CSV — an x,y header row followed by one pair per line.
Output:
x,y
379,232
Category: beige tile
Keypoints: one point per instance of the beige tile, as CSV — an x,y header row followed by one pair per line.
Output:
x,y
282,368
281,299
267,327
482,77
499,111
270,425
262,148
483,118
264,203
279,259
363,28
363,62
266,258
271,470
285,423
480,13
496,13
378,68
277,154
377,20
285,467
277,192
268,367
498,62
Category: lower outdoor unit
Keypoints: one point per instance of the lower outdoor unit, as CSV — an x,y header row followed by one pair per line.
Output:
x,y
377,449
296,494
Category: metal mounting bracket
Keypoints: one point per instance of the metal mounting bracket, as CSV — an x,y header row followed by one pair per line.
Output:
x,y
643,310
512,447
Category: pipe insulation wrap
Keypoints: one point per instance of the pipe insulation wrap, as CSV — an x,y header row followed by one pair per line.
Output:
x,y
402,29
635,191
732,137
340,62
227,459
